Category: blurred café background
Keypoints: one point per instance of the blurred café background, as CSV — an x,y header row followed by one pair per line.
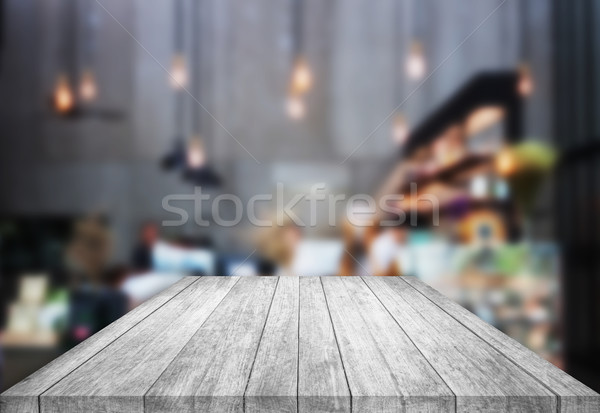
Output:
x,y
480,113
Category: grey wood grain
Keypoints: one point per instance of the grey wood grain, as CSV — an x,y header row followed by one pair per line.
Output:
x,y
385,371
273,384
322,384
212,371
573,395
308,345
23,397
116,379
480,376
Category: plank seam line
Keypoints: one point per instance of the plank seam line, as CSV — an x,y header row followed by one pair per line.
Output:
x,y
336,341
258,346
298,352
411,340
186,343
116,338
558,403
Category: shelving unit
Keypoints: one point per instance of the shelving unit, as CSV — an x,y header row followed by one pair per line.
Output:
x,y
447,173
488,100
453,155
486,89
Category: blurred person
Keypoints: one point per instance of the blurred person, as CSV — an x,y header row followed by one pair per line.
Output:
x,y
115,301
387,254
141,257
93,307
265,266
357,241
94,300
89,250
277,248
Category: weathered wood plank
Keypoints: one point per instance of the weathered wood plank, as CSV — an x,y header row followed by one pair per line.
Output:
x,y
481,377
23,397
573,395
212,371
322,384
385,371
117,378
273,384
309,344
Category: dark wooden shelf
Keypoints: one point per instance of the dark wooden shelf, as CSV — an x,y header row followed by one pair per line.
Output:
x,y
447,173
498,88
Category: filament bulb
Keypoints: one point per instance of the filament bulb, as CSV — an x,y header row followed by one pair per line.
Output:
x,y
178,75
63,95
415,62
88,89
196,156
295,107
525,84
400,129
301,77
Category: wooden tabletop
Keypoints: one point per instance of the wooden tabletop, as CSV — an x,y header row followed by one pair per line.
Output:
x,y
299,344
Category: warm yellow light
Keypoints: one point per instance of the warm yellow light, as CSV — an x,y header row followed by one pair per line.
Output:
x,y
63,95
295,107
301,77
178,75
525,84
505,163
87,88
196,157
483,118
415,62
400,129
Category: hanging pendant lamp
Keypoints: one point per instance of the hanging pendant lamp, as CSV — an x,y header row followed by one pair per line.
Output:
x,y
416,65
399,127
63,99
178,75
88,89
197,169
74,89
301,79
189,155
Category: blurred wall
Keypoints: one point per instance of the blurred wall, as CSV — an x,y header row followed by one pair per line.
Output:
x,y
356,49
577,39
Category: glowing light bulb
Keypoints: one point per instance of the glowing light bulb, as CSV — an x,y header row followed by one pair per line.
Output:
x,y
295,107
178,75
301,77
505,163
87,88
63,95
400,129
196,157
415,62
525,84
